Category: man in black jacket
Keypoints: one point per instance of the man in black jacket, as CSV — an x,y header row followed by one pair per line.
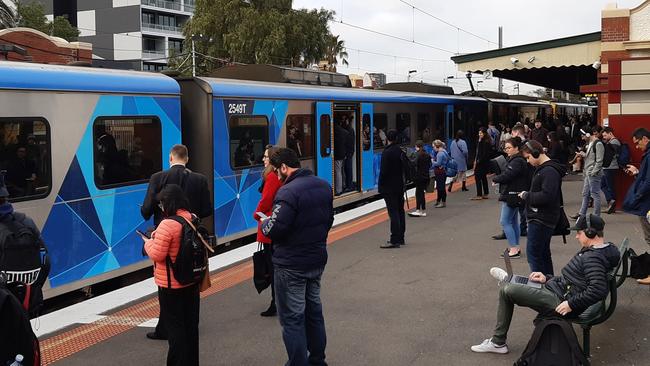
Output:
x,y
543,205
340,138
582,284
350,145
196,189
391,187
299,224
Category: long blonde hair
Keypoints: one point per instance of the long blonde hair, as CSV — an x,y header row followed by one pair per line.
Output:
x,y
270,150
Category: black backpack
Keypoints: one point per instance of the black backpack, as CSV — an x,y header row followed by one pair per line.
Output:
x,y
192,259
553,343
16,334
609,154
24,261
409,166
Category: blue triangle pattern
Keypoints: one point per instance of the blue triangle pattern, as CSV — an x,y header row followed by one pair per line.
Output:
x,y
222,217
86,209
74,184
171,108
237,221
106,262
129,107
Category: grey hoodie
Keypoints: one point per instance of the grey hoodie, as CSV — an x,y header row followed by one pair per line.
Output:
x,y
594,159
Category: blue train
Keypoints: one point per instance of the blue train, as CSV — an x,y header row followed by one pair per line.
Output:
x,y
79,144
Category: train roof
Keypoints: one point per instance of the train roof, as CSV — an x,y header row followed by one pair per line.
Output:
x,y
28,76
230,88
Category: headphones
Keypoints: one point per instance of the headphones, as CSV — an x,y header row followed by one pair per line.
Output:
x,y
534,152
590,232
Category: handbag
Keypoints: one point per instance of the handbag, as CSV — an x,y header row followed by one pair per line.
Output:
x,y
639,264
262,269
563,227
205,283
431,186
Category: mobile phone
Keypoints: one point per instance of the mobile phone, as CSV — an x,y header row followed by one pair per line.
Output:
x,y
261,215
142,234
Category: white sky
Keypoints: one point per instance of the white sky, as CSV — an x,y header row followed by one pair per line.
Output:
x,y
523,21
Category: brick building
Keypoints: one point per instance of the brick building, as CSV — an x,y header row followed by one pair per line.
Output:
x,y
41,48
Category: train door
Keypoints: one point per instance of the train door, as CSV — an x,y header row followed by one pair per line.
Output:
x,y
324,154
449,124
367,155
347,148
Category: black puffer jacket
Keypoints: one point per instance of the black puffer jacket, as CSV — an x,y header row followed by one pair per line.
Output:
x,y
423,165
514,179
584,279
543,199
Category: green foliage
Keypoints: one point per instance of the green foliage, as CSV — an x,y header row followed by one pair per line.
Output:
x,y
259,31
32,15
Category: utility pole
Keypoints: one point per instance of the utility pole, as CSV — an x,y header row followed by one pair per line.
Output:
x,y
193,59
500,46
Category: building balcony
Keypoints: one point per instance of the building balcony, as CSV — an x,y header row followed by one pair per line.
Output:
x,y
189,6
164,4
159,28
153,54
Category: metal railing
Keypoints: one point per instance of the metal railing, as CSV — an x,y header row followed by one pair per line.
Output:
x,y
162,28
152,54
174,5
189,6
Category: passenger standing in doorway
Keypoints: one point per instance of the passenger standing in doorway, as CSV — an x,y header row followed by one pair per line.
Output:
x,y
609,172
637,199
482,164
391,187
440,172
543,205
179,303
268,189
301,219
340,138
350,145
195,187
422,165
459,153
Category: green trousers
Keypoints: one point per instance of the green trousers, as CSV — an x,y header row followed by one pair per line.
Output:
x,y
542,300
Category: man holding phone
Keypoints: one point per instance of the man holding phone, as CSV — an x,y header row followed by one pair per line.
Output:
x,y
637,199
592,171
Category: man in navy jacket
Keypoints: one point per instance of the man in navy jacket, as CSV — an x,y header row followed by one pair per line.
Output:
x,y
637,200
391,187
301,219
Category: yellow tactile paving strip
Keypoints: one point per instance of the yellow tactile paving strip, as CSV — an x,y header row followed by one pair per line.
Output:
x,y
80,337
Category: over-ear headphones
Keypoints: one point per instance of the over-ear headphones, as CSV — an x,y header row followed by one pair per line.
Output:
x,y
590,232
534,152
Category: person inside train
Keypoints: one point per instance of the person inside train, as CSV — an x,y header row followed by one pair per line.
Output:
x,y
340,137
179,303
293,140
21,174
113,165
365,137
269,187
245,153
350,148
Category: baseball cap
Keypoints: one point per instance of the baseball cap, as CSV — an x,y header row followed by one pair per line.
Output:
x,y
597,223
3,187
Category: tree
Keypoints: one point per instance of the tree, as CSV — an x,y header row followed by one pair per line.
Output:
x,y
259,31
541,92
61,27
8,15
335,50
32,15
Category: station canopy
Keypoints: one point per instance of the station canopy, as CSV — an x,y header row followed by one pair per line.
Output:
x,y
561,64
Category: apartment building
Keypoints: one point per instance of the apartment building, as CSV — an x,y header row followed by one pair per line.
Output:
x,y
127,34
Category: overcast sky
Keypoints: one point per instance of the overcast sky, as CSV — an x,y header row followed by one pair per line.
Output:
x,y
523,22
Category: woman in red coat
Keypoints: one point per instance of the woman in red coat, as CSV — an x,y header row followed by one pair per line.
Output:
x,y
269,187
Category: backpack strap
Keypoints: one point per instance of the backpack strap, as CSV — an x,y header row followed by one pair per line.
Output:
x,y
181,220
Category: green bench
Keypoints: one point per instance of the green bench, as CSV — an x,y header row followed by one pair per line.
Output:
x,y
602,310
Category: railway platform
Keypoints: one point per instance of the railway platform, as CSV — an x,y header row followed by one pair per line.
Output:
x,y
425,303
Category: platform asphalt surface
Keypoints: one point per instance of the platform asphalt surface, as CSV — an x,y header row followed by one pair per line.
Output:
x,y
423,304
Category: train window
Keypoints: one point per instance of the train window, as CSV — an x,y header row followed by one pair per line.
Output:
x,y
325,135
249,135
403,126
379,130
300,136
127,151
365,133
424,128
25,157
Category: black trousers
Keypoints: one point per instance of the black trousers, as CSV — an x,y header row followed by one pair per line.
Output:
x,y
523,224
395,207
420,190
181,308
480,175
441,179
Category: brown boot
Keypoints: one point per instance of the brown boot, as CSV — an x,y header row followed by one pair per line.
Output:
x,y
645,281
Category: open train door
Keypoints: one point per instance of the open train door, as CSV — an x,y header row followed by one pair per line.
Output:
x,y
449,124
367,155
325,154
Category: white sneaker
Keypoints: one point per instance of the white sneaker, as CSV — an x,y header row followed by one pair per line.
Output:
x,y
499,274
415,213
488,346
423,214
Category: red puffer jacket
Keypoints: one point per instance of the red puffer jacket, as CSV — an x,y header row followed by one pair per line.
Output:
x,y
265,206
166,240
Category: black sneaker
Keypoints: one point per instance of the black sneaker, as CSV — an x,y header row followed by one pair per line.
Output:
x,y
612,207
575,217
501,236
271,311
156,336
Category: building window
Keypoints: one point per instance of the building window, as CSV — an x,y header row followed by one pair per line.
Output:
x,y
175,46
403,126
127,151
25,157
148,44
424,128
325,135
248,139
365,133
153,67
299,134
380,129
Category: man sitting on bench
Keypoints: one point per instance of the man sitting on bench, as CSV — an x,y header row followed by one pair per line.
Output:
x,y
583,283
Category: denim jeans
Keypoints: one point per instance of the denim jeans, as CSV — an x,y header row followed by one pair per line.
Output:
x,y
607,184
542,300
297,297
591,187
510,223
538,248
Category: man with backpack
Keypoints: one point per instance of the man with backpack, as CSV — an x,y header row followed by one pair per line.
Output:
x,y
394,164
612,151
583,282
593,172
195,187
